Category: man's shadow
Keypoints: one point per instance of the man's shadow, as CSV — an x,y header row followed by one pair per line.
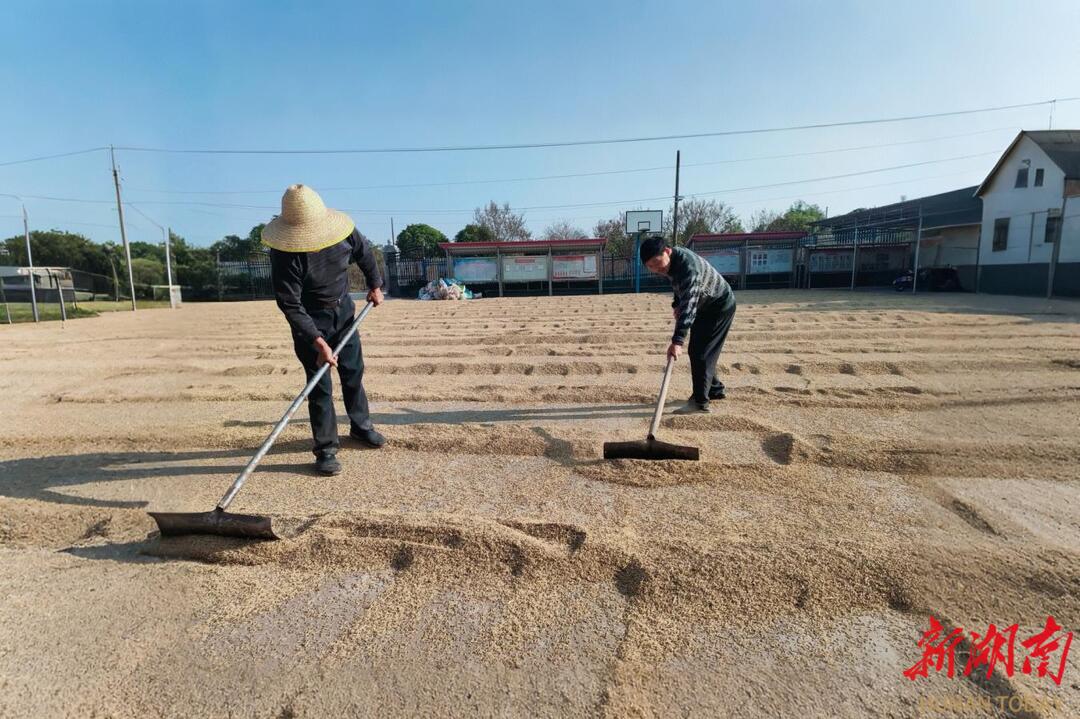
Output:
x,y
515,415
45,478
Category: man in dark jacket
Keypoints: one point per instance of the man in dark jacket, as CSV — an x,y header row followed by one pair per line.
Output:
x,y
311,248
704,308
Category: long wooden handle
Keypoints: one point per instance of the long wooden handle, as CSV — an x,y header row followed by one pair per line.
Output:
x,y
663,396
284,421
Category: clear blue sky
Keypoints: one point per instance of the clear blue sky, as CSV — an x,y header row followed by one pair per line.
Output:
x,y
404,73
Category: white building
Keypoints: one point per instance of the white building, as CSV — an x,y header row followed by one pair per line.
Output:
x,y
949,223
1029,199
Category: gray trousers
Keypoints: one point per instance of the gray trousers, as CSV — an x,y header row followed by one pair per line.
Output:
x,y
707,336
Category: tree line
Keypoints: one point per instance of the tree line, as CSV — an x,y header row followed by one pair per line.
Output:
x,y
499,223
191,266
196,267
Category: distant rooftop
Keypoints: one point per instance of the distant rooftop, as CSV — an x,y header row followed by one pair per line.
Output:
x,y
947,209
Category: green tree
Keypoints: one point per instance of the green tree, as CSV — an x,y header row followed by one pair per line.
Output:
x,y
179,248
797,218
149,250
255,236
194,268
57,248
420,240
474,233
233,248
357,281
147,272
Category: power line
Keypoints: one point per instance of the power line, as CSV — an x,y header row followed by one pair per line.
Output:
x,y
69,199
847,174
541,207
803,195
52,157
724,191
146,216
844,189
664,168
606,141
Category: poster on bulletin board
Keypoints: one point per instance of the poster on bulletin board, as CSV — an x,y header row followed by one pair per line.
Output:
x,y
525,268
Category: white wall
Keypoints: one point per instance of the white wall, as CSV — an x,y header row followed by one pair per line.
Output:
x,y
1026,208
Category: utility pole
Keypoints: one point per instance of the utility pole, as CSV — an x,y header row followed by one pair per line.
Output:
x,y
168,268
1056,250
675,213
393,237
29,255
30,263
3,295
220,287
854,253
60,292
115,277
166,232
123,232
637,261
918,243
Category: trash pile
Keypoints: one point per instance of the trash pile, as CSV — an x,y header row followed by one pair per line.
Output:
x,y
448,289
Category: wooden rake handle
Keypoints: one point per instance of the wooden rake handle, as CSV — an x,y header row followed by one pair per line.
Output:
x,y
655,426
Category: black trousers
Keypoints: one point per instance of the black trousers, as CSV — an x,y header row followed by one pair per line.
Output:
x,y
333,323
707,336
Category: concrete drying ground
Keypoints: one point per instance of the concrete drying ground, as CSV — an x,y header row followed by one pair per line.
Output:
x,y
879,459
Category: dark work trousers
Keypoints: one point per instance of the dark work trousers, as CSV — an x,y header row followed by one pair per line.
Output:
x,y
707,336
333,323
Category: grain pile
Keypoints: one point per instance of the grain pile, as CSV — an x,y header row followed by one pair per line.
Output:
x,y
878,459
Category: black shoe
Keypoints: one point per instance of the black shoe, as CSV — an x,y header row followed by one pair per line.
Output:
x,y
713,394
368,437
327,463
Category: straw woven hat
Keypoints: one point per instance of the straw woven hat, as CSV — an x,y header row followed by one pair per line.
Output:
x,y
305,223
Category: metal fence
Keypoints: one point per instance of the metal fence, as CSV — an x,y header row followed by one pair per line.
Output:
x,y
829,258
406,276
856,257
251,279
244,280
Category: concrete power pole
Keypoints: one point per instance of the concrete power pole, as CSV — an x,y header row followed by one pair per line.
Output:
x,y
123,232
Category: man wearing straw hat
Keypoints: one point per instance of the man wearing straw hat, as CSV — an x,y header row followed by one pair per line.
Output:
x,y
311,248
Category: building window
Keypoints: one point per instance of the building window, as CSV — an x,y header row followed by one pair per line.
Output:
x,y
1001,234
1039,177
1053,227
1021,177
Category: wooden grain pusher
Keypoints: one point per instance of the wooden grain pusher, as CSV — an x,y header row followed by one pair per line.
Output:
x,y
248,526
651,447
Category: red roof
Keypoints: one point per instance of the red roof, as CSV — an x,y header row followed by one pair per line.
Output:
x,y
525,244
740,236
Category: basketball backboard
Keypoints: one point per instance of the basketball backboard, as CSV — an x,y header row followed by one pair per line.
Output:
x,y
647,221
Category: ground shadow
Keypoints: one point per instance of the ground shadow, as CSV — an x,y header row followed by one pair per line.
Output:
x,y
132,552
558,450
45,478
409,415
